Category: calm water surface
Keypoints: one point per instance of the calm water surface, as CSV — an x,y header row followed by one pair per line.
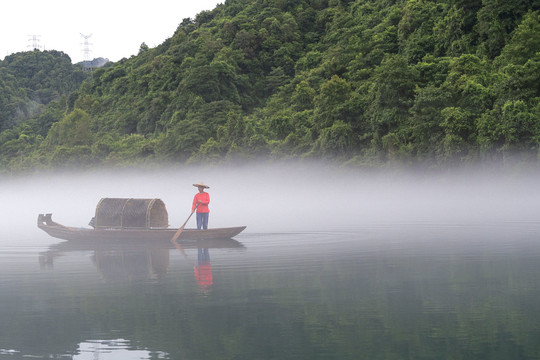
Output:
x,y
403,291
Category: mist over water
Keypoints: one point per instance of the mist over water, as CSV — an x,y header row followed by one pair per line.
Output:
x,y
343,263
280,197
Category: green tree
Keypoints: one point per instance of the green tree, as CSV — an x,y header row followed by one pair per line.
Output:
x,y
525,42
512,127
391,94
336,140
459,130
303,96
73,130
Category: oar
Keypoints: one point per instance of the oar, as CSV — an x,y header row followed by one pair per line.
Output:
x,y
179,231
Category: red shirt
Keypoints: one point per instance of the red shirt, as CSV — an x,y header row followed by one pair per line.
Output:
x,y
203,206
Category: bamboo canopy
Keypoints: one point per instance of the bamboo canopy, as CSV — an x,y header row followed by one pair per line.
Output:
x,y
121,213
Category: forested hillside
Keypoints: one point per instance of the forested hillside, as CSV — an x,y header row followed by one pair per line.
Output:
x,y
31,80
365,82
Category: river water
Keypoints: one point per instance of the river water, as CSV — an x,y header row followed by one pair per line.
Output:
x,y
408,287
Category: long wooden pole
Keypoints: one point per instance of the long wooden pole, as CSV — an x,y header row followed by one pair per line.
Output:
x,y
179,231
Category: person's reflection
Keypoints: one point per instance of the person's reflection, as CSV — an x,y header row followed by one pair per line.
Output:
x,y
203,270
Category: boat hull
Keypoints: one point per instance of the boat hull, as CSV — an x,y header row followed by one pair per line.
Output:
x,y
60,231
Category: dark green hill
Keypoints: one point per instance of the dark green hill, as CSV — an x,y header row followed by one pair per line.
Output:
x,y
364,82
31,80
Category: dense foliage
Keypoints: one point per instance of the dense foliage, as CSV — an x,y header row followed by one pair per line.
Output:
x,y
363,82
33,87
31,80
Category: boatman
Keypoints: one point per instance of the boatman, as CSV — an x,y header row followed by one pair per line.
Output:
x,y
203,199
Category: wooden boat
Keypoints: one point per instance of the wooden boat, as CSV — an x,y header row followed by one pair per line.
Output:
x,y
60,231
131,219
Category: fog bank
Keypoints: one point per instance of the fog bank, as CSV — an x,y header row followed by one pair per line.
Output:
x,y
279,198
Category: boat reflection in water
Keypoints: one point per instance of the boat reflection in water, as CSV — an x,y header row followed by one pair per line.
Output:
x,y
129,261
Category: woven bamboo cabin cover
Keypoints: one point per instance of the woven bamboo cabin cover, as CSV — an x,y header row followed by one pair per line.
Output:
x,y
121,213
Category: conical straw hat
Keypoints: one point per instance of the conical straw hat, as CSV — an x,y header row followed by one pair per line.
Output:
x,y
202,184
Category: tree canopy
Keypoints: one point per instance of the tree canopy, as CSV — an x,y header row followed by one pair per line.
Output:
x,y
360,82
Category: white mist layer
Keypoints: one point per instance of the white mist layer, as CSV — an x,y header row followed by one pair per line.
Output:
x,y
278,198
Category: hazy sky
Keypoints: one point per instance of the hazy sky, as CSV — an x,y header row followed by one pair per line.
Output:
x,y
117,27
